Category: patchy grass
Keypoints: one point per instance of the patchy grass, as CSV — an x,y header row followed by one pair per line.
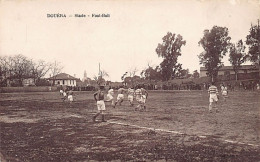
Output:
x,y
40,127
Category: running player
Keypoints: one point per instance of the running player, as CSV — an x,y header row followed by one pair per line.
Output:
x,y
138,97
99,98
213,96
64,95
70,96
120,96
224,92
144,97
110,96
61,92
130,96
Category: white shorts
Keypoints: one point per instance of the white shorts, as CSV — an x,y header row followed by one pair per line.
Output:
x,y
109,97
213,97
138,99
130,98
120,97
224,93
143,98
101,105
70,98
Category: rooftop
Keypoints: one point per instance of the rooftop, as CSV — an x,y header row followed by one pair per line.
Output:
x,y
243,67
63,76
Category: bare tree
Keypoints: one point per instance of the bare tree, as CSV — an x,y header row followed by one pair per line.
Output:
x,y
5,69
21,68
16,68
55,69
130,76
100,79
40,69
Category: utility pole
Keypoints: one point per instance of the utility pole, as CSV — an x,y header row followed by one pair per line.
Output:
x,y
258,43
99,69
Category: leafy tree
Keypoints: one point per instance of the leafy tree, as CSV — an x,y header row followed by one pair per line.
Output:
x,y
184,73
124,76
177,71
152,73
169,50
215,43
253,42
237,56
196,74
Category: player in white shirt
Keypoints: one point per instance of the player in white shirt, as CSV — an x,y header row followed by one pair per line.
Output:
x,y
64,95
110,96
141,95
120,96
213,96
61,92
224,92
70,96
138,97
130,96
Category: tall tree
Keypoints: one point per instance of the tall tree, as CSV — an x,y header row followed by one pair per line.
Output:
x,y
253,42
21,68
170,50
6,64
237,56
215,43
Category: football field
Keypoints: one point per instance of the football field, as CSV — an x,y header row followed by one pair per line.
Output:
x,y
177,126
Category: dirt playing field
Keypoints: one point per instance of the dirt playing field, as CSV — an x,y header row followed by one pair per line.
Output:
x,y
176,127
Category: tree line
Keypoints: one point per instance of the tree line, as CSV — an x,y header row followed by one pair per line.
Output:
x,y
14,69
215,42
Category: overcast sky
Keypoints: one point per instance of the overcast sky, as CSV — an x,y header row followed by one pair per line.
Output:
x,y
125,40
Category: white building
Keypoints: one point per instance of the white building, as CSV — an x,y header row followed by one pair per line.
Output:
x,y
64,79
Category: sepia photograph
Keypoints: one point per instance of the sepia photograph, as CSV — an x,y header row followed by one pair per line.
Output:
x,y
129,80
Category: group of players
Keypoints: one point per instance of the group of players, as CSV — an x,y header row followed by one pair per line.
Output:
x,y
140,95
67,94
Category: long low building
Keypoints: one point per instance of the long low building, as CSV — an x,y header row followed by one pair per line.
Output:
x,y
228,70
